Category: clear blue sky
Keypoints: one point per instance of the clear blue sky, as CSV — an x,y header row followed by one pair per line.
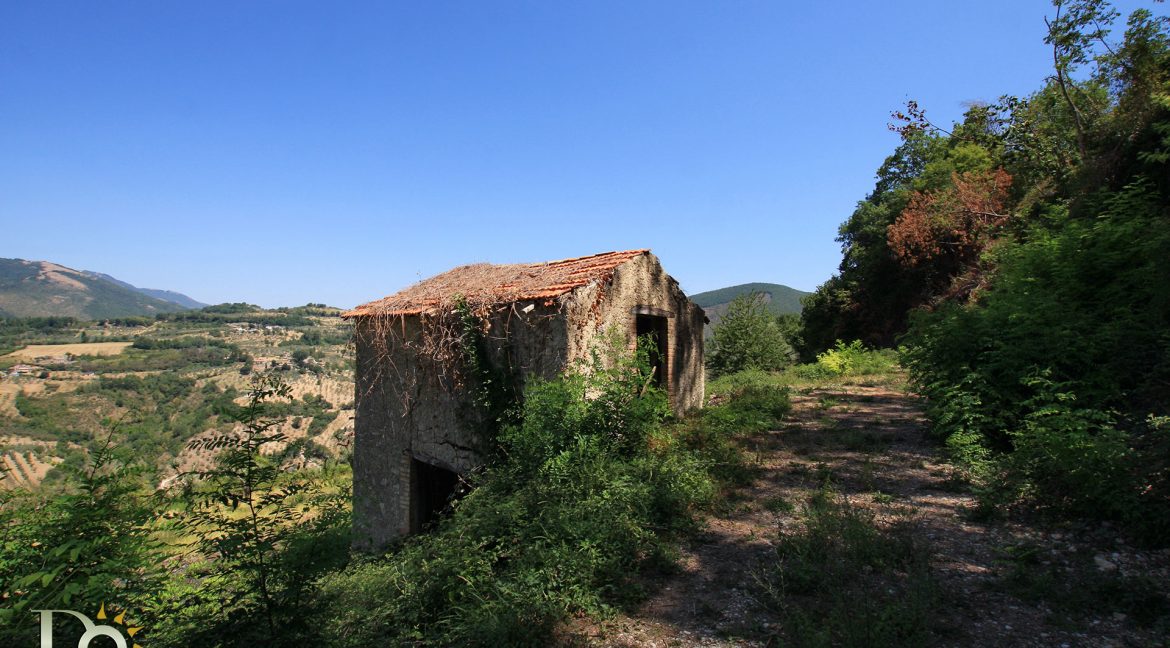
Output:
x,y
285,152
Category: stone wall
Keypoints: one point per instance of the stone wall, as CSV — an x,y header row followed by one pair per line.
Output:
x,y
410,407
642,286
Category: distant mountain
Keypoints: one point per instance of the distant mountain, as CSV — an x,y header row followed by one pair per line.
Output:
x,y
165,295
781,300
44,289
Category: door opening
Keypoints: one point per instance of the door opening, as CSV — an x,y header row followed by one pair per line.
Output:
x,y
654,326
431,491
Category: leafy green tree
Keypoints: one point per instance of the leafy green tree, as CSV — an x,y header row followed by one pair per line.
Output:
x,y
748,337
261,537
89,546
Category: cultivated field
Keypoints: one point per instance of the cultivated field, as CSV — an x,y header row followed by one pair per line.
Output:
x,y
170,381
34,351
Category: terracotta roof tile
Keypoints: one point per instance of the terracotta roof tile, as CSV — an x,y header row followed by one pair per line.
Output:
x,y
485,284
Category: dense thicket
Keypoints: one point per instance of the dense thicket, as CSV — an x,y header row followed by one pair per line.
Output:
x,y
1025,255
588,488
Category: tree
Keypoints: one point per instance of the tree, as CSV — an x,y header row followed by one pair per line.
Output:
x,y
261,537
748,337
951,228
1077,26
89,546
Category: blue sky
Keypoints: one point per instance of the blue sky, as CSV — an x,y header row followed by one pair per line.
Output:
x,y
286,152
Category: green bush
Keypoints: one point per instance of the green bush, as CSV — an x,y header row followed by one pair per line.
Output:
x,y
733,384
259,539
854,359
1073,460
743,403
79,549
1061,363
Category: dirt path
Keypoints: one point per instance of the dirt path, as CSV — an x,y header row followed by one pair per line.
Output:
x,y
998,584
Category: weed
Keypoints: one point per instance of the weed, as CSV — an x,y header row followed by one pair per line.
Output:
x,y
779,505
1077,591
585,493
882,498
841,580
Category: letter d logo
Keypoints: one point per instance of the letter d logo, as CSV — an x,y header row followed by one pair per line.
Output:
x,y
92,630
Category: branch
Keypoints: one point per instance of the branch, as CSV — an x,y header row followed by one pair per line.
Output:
x,y
1078,121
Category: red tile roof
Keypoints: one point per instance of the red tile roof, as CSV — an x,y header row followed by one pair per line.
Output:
x,y
484,283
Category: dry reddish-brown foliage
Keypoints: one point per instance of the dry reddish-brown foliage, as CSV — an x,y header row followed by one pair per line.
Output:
x,y
957,222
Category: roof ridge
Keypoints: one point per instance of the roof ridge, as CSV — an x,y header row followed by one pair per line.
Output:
x,y
632,253
487,283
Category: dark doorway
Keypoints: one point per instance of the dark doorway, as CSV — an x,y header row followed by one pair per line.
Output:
x,y
431,490
654,326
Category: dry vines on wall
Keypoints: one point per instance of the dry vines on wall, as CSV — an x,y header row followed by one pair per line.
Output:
x,y
438,307
454,341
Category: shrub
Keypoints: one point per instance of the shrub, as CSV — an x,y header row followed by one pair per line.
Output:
x,y
1072,460
854,359
80,549
745,403
1060,363
733,384
258,548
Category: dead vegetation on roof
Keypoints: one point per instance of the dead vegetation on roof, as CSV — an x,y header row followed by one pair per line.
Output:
x,y
483,285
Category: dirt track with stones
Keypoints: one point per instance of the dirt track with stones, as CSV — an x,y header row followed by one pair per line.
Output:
x,y
1000,583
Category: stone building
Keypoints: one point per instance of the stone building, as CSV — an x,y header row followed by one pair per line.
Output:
x,y
416,422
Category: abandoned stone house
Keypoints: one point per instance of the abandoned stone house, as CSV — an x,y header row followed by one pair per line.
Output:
x,y
415,430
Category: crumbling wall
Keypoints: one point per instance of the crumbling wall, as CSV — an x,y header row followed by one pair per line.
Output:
x,y
642,286
410,406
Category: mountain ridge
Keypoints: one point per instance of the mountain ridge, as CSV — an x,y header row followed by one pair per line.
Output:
x,y
157,293
780,299
47,289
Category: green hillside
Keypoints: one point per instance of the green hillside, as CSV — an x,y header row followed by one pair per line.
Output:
x,y
165,295
44,289
781,299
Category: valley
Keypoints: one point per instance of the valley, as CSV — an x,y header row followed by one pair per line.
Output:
x,y
153,385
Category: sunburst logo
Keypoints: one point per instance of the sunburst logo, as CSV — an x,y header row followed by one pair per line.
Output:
x,y
117,632
127,628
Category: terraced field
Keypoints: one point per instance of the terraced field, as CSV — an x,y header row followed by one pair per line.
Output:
x,y
163,384
24,469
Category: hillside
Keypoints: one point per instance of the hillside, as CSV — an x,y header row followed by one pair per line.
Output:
x,y
44,289
168,380
165,295
781,299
